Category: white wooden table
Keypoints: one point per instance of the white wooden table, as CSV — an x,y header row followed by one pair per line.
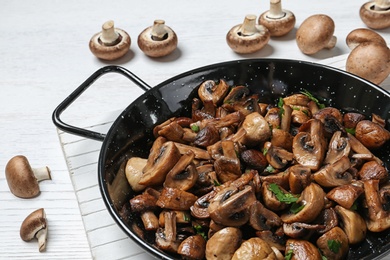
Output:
x,y
44,56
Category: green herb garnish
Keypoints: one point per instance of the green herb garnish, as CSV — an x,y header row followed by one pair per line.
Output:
x,y
199,230
309,95
280,195
265,151
280,106
216,183
352,131
270,169
296,207
334,245
195,128
289,254
354,206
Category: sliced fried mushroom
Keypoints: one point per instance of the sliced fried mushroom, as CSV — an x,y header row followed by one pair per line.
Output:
x,y
334,244
133,171
192,248
370,134
160,161
175,199
230,206
376,14
248,37
172,132
213,91
316,33
254,159
302,249
111,43
199,152
207,136
278,157
200,208
372,170
351,119
269,198
378,218
34,226
223,243
359,148
282,138
253,249
353,224
22,179
277,20
296,100
309,147
166,238
262,218
357,36
345,195
158,40
313,200
183,175
301,230
338,147
335,174
299,178
228,166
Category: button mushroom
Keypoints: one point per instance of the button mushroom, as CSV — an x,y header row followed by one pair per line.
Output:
x,y
183,175
353,224
111,43
334,244
175,199
253,249
299,178
316,33
278,21
370,134
228,166
370,60
248,37
376,14
360,35
223,243
372,170
345,195
335,174
302,249
22,179
192,248
34,226
256,128
158,40
133,172
338,147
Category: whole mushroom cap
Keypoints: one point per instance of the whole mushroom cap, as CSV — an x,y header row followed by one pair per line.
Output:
x,y
157,40
315,34
35,226
22,179
375,15
248,37
111,43
370,60
360,35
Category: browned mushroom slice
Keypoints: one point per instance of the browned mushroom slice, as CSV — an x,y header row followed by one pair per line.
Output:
x,y
181,121
207,136
334,244
309,147
300,115
262,218
175,199
199,152
223,243
254,159
183,175
360,149
154,152
296,100
230,206
143,202
313,200
301,230
273,239
213,91
149,220
338,147
161,162
325,112
278,157
328,218
200,208
282,138
231,119
281,179
228,166
254,248
378,218
351,119
273,117
193,247
182,217
301,249
353,224
378,120
172,132
257,129
335,174
371,135
166,238
270,199
236,93
299,178
345,195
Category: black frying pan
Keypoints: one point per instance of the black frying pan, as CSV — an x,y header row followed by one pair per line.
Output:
x,y
131,133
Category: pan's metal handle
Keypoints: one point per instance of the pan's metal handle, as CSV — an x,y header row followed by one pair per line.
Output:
x,y
75,94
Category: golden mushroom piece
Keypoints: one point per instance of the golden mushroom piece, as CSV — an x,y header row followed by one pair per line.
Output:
x,y
158,40
277,20
376,14
315,34
248,37
111,43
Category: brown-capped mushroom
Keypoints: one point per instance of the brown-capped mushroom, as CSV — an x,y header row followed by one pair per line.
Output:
x,y
360,35
211,90
334,244
346,195
254,159
299,178
372,170
248,37
253,249
282,138
335,174
353,224
111,43
369,60
338,147
376,14
262,218
316,33
278,21
166,238
175,199
22,179
228,166
133,172
278,157
351,119
183,175
302,249
35,226
301,230
223,243
192,248
256,129
158,40
370,134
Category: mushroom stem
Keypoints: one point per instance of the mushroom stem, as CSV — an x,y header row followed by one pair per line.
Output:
x,y
109,36
248,27
381,5
158,31
41,235
42,173
275,10
332,43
